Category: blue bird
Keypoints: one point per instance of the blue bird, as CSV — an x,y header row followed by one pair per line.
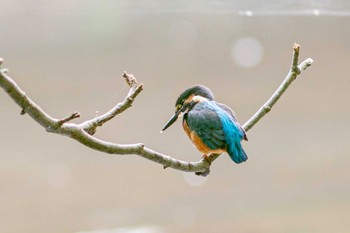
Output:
x,y
211,126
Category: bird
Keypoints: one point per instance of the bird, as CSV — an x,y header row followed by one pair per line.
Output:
x,y
211,126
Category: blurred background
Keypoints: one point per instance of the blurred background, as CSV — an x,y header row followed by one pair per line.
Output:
x,y
70,55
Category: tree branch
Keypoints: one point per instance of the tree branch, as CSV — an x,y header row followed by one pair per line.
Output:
x,y
83,132
294,71
135,88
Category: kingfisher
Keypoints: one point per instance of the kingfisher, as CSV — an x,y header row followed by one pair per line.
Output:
x,y
211,126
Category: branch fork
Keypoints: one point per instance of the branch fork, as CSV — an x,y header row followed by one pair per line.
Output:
x,y
84,131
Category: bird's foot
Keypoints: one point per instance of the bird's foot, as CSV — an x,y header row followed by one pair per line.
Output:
x,y
206,158
205,173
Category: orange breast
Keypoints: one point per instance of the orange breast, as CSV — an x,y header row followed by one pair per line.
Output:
x,y
197,141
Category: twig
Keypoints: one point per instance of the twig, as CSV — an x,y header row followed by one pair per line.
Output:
x,y
135,88
72,116
294,71
83,132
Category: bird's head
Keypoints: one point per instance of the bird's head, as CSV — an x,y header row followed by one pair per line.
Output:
x,y
187,100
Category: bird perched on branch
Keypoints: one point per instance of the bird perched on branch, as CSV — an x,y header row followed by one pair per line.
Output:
x,y
211,126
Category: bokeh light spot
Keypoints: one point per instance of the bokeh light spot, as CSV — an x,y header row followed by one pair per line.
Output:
x,y
247,52
194,180
316,12
246,13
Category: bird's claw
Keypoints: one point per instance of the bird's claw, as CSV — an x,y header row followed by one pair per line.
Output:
x,y
205,173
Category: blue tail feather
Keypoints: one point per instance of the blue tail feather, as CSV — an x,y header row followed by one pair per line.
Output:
x,y
233,137
236,152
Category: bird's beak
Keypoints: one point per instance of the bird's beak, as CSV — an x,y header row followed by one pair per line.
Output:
x,y
172,120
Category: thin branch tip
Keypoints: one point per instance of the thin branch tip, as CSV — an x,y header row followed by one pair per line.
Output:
x,y
72,116
130,79
296,47
305,64
309,61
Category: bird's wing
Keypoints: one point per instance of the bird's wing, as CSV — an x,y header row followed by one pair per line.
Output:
x,y
233,115
206,124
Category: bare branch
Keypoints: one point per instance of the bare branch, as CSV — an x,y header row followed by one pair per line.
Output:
x,y
135,88
27,105
83,132
294,71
